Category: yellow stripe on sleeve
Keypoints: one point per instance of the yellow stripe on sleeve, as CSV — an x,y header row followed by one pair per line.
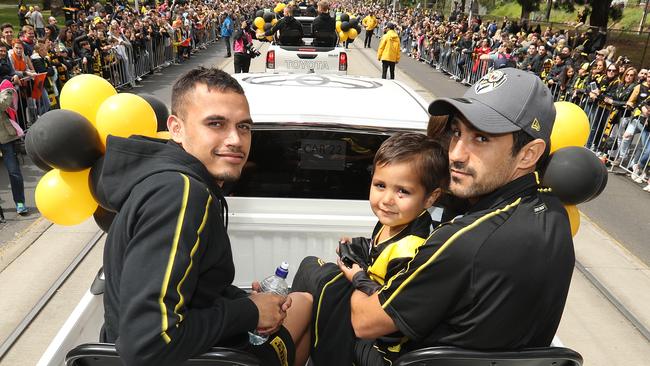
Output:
x,y
181,300
170,262
447,244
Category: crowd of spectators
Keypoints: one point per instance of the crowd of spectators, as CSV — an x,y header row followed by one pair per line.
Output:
x,y
110,39
575,62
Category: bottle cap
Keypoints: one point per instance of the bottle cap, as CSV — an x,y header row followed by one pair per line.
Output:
x,y
283,270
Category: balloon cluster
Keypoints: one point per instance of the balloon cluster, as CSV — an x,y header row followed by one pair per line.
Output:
x,y
67,142
348,27
574,173
264,21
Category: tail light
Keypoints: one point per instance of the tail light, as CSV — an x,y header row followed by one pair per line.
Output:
x,y
343,61
270,59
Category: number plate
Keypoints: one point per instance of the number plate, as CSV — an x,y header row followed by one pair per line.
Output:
x,y
322,154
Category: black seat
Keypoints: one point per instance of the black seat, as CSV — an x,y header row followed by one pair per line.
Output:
x,y
104,354
325,39
290,37
452,356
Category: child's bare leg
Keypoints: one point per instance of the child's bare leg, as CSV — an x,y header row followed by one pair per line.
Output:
x,y
298,323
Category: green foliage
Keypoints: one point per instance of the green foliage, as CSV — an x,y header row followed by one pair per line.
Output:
x,y
529,5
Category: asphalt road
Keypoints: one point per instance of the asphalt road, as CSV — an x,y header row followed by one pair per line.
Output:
x,y
622,209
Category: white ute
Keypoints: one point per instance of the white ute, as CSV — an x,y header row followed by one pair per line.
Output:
x,y
307,57
304,186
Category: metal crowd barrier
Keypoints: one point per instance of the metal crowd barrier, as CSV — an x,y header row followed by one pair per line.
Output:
x,y
618,134
128,63
121,65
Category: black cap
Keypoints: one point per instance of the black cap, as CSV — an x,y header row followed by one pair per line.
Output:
x,y
502,101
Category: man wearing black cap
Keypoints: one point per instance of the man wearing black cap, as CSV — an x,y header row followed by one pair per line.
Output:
x,y
497,276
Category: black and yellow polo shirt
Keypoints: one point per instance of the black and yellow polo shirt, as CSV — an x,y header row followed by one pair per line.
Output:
x,y
495,278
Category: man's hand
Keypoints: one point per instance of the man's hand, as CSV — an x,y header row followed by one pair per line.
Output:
x,y
272,309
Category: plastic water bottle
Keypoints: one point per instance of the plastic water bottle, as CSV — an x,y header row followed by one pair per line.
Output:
x,y
276,284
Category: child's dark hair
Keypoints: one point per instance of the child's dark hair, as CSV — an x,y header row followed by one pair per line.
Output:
x,y
428,157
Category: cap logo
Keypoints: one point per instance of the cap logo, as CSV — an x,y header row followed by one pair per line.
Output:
x,y
536,125
490,82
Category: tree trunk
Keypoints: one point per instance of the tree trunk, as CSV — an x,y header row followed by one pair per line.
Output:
x,y
525,14
46,4
599,13
56,6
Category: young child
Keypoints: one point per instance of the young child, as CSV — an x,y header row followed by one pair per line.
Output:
x,y
410,171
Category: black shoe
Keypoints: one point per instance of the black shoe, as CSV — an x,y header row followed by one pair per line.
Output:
x,y
227,56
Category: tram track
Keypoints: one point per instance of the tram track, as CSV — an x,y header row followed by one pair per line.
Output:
x,y
20,329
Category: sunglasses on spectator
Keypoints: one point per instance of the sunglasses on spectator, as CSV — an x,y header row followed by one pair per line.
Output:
x,y
612,70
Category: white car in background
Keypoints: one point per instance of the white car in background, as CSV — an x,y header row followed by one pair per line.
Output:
x,y
318,56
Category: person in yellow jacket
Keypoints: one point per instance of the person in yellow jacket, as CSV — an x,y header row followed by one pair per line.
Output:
x,y
389,52
370,23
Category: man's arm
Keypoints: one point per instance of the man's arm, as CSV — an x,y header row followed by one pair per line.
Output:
x,y
369,319
171,220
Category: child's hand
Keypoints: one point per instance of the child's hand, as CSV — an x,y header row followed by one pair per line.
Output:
x,y
348,272
344,239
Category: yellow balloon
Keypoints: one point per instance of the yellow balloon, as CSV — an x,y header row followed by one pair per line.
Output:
x,y
259,22
125,114
338,26
343,36
571,127
352,33
574,218
164,135
64,197
85,93
269,38
274,21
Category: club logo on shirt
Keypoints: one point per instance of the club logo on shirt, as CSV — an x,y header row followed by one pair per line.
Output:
x,y
490,82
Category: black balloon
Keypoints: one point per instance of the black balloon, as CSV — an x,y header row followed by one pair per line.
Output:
x,y
104,218
603,183
36,159
267,26
268,17
354,22
160,108
345,18
575,175
358,28
345,26
65,140
259,14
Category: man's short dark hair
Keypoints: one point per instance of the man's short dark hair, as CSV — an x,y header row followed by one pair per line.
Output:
x,y
212,77
6,25
520,139
428,157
